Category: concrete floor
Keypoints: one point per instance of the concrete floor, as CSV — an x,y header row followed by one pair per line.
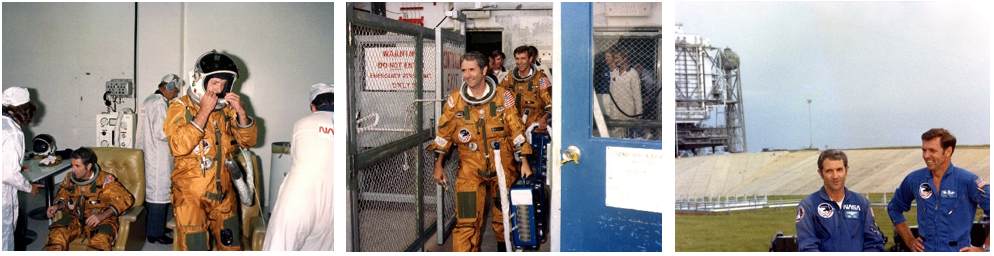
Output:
x,y
33,208
488,238
401,231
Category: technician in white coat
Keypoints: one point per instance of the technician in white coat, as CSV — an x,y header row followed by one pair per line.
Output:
x,y
626,94
18,110
158,160
303,217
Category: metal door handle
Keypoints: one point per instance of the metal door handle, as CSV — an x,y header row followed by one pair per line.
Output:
x,y
571,154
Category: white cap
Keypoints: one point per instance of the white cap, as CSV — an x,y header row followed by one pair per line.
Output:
x,y
15,96
320,88
172,81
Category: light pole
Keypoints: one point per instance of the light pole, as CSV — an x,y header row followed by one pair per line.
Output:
x,y
811,144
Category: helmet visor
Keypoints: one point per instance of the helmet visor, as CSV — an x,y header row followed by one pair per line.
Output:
x,y
213,62
230,78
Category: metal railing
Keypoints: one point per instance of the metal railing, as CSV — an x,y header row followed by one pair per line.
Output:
x,y
729,203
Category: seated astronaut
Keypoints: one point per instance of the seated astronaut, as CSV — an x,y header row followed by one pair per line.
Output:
x,y
92,200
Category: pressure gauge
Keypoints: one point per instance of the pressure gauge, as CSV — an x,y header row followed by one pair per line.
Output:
x,y
104,121
104,143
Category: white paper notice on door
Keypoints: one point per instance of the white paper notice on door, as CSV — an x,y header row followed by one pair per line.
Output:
x,y
634,178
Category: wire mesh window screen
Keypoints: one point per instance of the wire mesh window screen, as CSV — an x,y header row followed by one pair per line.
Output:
x,y
627,83
388,211
385,85
385,76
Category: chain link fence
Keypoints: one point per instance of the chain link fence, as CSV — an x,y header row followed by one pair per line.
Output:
x,y
627,82
393,71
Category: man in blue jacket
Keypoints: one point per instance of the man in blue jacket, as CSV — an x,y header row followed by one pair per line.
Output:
x,y
835,218
947,198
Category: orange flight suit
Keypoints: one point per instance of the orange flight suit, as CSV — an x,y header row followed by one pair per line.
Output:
x,y
475,126
532,94
82,199
204,200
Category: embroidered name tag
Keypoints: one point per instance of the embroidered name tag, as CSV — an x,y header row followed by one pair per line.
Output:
x,y
852,215
948,193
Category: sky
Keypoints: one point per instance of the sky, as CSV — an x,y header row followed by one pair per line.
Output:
x,y
879,74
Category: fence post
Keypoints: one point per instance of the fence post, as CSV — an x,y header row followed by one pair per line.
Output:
x,y
439,193
419,116
350,150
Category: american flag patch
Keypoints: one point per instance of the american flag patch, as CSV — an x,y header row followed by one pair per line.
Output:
x,y
544,83
508,99
980,183
450,102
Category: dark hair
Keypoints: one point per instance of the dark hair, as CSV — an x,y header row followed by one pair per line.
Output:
x,y
948,140
481,61
621,53
832,154
324,99
523,49
84,154
533,51
23,113
613,50
498,53
163,84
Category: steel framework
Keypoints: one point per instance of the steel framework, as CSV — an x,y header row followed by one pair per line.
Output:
x,y
708,89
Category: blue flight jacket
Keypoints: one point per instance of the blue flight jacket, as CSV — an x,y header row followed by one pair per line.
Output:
x,y
945,214
822,225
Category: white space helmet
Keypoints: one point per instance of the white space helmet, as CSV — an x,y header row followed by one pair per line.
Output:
x,y
212,64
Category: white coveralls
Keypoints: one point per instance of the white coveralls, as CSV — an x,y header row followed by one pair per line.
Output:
x,y
158,162
13,154
501,75
626,89
152,140
303,217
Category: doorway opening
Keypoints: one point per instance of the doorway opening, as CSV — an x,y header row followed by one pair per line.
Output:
x,y
484,41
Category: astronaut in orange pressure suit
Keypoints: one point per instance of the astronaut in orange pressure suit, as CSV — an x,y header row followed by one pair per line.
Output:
x,y
204,128
92,200
532,90
480,119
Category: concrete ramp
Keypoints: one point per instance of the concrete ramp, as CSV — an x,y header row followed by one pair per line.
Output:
x,y
796,173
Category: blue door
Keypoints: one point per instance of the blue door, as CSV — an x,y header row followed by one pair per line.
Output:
x,y
586,222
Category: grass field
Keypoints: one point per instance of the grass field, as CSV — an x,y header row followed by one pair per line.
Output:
x,y
751,231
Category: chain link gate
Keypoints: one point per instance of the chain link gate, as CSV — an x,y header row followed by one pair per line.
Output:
x,y
394,69
639,52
